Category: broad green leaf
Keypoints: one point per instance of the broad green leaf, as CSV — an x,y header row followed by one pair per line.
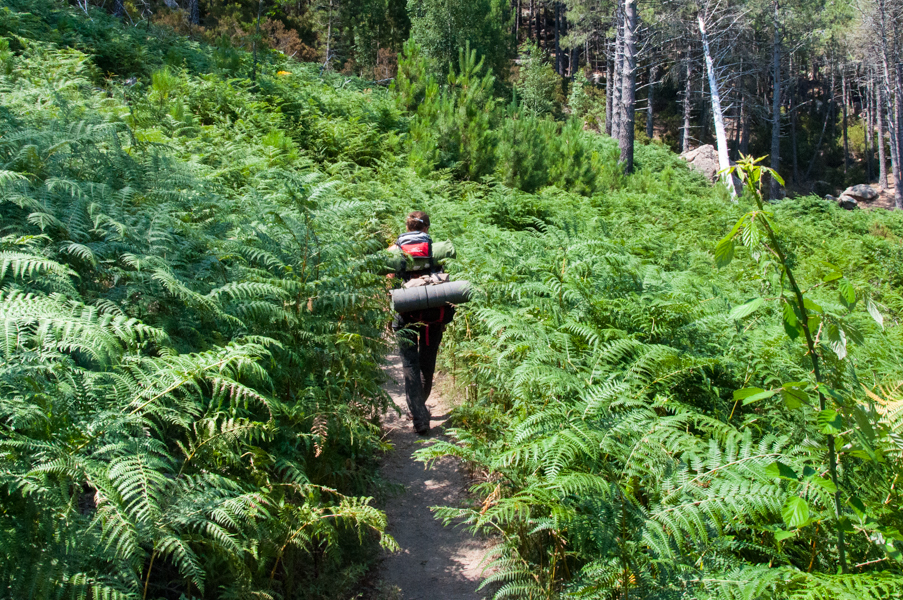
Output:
x,y
832,276
876,314
791,323
810,305
747,392
779,470
893,553
795,512
746,309
782,535
749,395
829,422
853,334
794,397
835,339
724,252
847,292
827,484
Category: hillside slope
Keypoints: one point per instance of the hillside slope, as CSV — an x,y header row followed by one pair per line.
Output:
x,y
194,320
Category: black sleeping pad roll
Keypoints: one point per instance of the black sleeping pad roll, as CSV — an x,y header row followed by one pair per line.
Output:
x,y
430,296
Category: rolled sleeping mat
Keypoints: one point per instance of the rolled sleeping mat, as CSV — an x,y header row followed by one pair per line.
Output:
x,y
430,296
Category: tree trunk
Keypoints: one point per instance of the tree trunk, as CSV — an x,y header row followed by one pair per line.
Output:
x,y
538,24
688,95
869,129
257,41
194,12
650,98
775,188
829,115
898,126
517,17
793,109
530,20
724,162
558,62
609,92
846,139
618,78
703,117
880,107
628,87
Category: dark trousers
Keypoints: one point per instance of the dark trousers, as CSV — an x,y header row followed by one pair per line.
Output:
x,y
418,346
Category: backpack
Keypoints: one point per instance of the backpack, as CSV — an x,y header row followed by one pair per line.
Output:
x,y
419,245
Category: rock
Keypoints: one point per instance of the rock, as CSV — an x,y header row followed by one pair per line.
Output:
x,y
704,159
847,202
861,193
830,198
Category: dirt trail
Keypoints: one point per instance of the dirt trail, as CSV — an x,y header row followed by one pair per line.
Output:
x,y
435,562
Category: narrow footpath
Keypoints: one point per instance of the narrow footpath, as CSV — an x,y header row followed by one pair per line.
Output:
x,y
435,562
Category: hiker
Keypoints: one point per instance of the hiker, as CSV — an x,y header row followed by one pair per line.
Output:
x,y
419,332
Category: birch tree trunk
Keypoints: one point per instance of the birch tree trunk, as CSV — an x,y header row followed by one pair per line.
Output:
x,y
775,188
724,162
628,87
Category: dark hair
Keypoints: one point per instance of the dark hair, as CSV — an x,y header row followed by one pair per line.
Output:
x,y
417,221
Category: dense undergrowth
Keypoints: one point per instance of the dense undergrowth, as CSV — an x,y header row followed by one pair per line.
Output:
x,y
194,323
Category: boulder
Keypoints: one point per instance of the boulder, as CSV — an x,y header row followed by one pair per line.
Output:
x,y
830,198
704,159
861,193
847,202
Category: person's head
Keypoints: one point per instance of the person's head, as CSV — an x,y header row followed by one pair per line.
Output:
x,y
417,221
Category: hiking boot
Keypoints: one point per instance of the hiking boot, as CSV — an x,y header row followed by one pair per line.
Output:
x,y
422,428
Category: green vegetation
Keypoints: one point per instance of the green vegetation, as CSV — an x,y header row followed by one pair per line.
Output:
x,y
193,326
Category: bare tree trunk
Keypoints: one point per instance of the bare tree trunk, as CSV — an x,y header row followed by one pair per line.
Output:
x,y
559,66
194,12
650,98
530,20
724,162
898,126
869,129
775,188
829,115
846,139
688,95
628,87
793,109
538,24
609,92
517,17
880,105
257,41
618,78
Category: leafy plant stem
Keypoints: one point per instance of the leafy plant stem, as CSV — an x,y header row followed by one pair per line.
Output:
x,y
810,344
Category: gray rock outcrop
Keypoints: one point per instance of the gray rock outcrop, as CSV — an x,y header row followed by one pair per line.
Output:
x,y
847,202
860,193
704,159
